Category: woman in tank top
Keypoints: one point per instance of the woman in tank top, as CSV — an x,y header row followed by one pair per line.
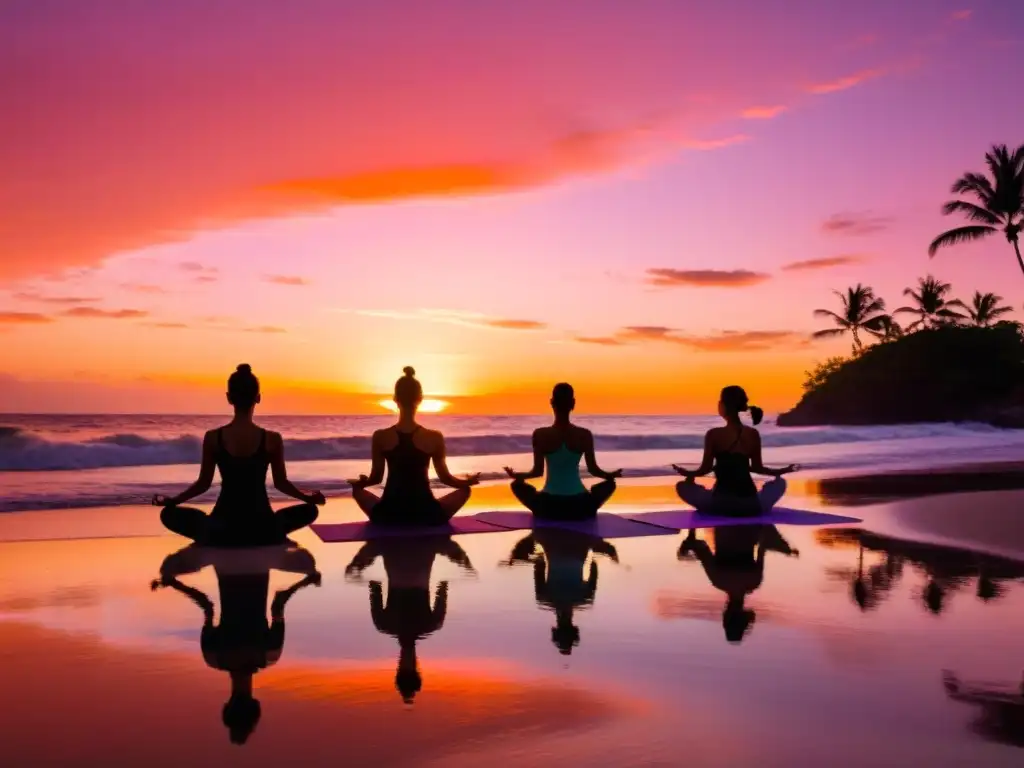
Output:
x,y
242,452
559,449
406,450
732,452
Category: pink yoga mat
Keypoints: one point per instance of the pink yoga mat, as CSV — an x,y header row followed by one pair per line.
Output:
x,y
604,526
681,519
364,531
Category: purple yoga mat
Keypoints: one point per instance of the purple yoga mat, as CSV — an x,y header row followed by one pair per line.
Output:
x,y
604,526
364,531
681,519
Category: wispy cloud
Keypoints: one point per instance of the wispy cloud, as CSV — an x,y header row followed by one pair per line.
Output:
x,y
705,278
146,288
60,300
456,317
862,223
107,314
844,83
704,145
763,113
286,280
23,318
825,262
722,341
266,329
963,15
201,272
166,324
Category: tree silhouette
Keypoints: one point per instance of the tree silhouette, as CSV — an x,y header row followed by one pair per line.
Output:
x,y
862,311
985,309
930,304
1000,205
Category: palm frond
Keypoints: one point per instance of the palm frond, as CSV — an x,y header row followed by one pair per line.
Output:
x,y
959,235
972,211
828,313
908,311
828,332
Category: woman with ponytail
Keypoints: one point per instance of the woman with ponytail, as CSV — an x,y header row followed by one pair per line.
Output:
x,y
406,450
242,451
733,452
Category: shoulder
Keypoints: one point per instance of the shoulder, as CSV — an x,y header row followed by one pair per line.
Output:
x,y
752,433
582,433
379,433
274,439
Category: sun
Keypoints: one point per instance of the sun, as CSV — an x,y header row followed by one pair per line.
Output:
x,y
427,406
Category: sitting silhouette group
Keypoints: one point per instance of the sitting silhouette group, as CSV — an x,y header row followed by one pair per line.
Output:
x,y
243,452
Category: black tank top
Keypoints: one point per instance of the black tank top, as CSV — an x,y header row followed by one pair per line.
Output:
x,y
732,472
408,481
243,482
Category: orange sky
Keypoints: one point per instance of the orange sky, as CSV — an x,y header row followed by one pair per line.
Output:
x,y
648,201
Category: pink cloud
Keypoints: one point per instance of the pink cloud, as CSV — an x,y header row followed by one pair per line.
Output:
x,y
763,113
107,314
844,83
23,318
286,280
859,223
705,278
823,263
963,15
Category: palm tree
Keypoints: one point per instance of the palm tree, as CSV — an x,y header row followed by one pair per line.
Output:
x,y
1000,205
862,311
931,306
985,309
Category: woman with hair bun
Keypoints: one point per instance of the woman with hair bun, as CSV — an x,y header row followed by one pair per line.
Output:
x,y
406,450
242,451
733,452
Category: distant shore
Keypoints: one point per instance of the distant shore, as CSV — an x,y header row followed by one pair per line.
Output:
x,y
878,487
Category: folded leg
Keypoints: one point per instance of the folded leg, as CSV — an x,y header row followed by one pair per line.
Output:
x,y
697,496
188,522
294,517
451,503
601,492
770,493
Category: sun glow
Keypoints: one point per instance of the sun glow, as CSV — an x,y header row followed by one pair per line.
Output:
x,y
427,406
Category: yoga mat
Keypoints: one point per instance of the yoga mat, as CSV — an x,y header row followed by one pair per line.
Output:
x,y
604,526
364,531
681,519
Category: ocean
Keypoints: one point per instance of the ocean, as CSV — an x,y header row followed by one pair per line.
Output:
x,y
56,462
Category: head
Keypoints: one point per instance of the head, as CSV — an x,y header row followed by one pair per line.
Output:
x,y
565,636
737,620
243,388
733,402
408,681
408,392
987,588
240,715
563,399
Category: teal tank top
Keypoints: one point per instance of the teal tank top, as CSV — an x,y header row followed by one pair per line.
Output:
x,y
563,473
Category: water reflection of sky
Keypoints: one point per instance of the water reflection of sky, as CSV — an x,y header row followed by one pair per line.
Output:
x,y
813,662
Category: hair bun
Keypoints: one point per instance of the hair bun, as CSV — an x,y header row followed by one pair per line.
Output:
x,y
409,371
756,414
244,368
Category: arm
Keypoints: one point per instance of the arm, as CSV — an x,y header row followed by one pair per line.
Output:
x,y
196,596
755,460
202,483
446,477
591,592
440,610
377,606
592,467
376,476
283,596
538,464
457,555
275,445
707,463
363,559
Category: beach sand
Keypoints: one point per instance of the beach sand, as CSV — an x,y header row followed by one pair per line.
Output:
x,y
99,670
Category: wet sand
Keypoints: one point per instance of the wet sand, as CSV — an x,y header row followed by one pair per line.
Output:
x,y
99,670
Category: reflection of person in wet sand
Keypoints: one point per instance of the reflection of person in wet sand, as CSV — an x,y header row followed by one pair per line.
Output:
x,y
407,614
732,452
243,642
558,576
735,569
560,448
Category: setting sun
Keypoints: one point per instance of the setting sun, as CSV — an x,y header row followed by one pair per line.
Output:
x,y
427,406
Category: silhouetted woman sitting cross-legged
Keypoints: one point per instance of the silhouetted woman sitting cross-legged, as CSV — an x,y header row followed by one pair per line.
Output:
x,y
560,447
732,452
406,450
242,451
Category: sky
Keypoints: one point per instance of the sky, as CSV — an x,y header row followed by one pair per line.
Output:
x,y
647,199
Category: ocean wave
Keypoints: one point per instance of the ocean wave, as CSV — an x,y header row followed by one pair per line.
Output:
x,y
24,451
